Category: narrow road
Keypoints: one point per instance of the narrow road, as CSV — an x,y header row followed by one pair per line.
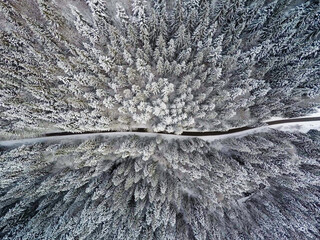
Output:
x,y
143,131
198,134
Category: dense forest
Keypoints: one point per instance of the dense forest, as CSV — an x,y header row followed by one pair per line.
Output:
x,y
259,186
165,66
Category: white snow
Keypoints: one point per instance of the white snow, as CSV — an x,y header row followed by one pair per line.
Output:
x,y
84,136
274,119
316,114
300,127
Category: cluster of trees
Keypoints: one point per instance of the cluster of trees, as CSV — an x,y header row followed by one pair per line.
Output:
x,y
165,65
260,186
97,65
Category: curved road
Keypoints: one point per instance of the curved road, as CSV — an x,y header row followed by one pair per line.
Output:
x,y
191,133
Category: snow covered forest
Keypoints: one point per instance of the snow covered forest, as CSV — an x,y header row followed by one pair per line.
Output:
x,y
261,186
92,65
167,66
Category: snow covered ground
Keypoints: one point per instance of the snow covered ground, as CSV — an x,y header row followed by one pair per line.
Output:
x,y
290,127
300,127
316,114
